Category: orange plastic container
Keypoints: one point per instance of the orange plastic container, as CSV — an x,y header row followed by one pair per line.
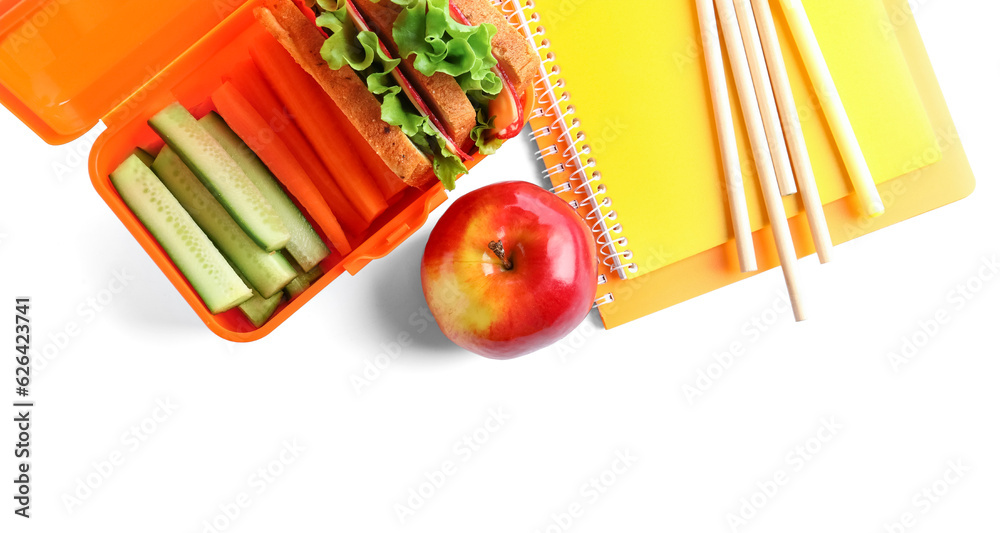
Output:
x,y
67,64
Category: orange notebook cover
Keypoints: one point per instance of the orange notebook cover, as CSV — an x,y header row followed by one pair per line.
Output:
x,y
626,132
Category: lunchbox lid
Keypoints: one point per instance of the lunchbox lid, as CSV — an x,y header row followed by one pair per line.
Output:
x,y
66,64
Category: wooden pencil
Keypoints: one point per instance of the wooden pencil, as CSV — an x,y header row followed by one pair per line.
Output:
x,y
719,88
793,131
765,98
833,107
762,155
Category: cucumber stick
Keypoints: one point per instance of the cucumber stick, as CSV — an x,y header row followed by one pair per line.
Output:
x,y
219,286
217,170
267,273
259,309
306,247
299,285
144,156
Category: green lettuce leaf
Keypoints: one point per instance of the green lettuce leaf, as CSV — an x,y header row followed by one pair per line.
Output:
x,y
425,29
346,46
447,165
484,124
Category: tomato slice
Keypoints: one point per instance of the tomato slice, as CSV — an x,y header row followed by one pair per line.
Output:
x,y
506,107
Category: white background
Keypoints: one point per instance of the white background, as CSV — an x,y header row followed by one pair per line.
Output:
x,y
567,411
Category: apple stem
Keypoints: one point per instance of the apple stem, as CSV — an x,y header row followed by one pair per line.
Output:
x,y
497,248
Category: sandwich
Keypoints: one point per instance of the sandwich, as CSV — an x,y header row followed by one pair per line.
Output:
x,y
428,83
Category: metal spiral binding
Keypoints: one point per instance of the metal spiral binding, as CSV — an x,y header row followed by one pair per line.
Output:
x,y
582,176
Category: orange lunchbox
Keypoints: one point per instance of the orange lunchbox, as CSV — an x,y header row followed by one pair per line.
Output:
x,y
67,64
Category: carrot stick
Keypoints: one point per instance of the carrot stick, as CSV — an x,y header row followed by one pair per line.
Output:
x,y
255,131
251,84
388,182
304,97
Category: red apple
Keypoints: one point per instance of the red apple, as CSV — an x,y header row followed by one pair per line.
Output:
x,y
510,268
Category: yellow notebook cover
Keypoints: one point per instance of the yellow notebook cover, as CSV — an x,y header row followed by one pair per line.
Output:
x,y
646,110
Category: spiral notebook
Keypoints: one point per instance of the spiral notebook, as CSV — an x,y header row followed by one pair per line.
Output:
x,y
625,128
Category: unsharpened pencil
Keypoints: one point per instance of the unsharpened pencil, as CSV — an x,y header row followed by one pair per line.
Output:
x,y
762,155
727,136
833,107
793,131
765,98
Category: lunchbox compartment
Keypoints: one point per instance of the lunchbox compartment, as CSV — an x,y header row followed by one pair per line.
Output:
x,y
190,80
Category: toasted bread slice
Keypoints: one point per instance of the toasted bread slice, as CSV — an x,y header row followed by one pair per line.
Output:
x,y
442,93
515,56
299,36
